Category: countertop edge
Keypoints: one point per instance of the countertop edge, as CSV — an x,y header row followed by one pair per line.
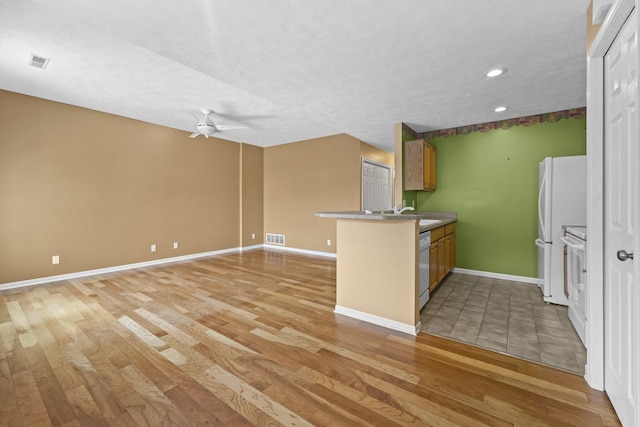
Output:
x,y
444,217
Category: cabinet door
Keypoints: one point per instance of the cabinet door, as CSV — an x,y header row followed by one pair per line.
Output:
x,y
426,161
433,266
432,168
447,254
441,260
453,249
429,166
413,165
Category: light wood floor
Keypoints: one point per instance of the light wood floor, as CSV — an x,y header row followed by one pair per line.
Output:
x,y
251,339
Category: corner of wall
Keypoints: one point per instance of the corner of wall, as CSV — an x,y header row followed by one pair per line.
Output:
x,y
252,195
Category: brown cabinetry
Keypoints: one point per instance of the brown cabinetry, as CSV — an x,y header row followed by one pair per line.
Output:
x,y
433,266
419,165
442,253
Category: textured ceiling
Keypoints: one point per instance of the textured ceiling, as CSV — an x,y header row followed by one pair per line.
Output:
x,y
292,70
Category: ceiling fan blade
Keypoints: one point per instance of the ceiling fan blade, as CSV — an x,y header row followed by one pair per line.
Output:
x,y
224,127
193,135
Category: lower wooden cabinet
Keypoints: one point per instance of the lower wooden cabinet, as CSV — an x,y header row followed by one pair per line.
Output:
x,y
442,253
433,266
453,250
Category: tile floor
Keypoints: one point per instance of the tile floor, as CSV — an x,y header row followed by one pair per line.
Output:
x,y
504,316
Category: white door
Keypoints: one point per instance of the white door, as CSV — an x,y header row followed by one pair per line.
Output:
x,y
622,355
376,186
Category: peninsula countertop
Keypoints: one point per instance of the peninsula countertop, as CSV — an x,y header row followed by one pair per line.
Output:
x,y
440,217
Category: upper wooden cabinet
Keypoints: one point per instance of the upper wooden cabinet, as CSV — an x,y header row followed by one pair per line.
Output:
x,y
419,165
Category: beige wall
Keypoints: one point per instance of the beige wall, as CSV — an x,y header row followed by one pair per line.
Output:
x,y
98,190
370,152
252,195
306,177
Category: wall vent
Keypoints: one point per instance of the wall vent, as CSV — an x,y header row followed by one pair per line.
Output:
x,y
38,61
275,239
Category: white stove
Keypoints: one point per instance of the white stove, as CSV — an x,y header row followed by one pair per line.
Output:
x,y
575,241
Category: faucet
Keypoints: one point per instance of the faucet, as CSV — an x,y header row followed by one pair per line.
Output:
x,y
397,210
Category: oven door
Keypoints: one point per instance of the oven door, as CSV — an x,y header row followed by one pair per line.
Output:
x,y
576,274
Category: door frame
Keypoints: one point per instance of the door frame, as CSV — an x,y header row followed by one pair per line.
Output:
x,y
364,160
612,24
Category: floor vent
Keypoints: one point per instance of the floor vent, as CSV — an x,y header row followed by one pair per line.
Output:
x,y
275,239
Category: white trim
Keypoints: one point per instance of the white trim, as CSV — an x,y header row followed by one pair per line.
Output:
x,y
75,275
523,279
301,251
250,248
380,321
594,310
615,19
594,329
600,10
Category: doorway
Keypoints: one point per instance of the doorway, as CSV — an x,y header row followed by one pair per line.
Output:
x,y
613,325
376,185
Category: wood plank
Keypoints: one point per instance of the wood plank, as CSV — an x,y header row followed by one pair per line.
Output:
x,y
32,408
53,397
85,408
251,339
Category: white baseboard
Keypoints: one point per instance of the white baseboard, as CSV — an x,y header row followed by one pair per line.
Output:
x,y
251,248
300,251
75,275
377,320
68,276
523,279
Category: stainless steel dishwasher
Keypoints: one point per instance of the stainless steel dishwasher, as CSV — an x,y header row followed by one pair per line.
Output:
x,y
425,246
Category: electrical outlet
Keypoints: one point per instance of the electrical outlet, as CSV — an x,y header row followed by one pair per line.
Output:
x,y
55,259
253,235
329,242
153,248
175,245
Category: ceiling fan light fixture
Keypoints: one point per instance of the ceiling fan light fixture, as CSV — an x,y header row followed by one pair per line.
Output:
x,y
496,72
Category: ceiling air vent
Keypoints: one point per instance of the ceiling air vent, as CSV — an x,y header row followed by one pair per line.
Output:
x,y
38,61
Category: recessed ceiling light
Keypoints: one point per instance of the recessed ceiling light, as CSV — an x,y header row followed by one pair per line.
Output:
x,y
496,72
500,108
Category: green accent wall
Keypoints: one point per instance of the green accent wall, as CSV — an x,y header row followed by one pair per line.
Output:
x,y
491,180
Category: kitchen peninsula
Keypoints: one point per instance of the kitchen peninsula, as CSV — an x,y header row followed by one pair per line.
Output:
x,y
377,276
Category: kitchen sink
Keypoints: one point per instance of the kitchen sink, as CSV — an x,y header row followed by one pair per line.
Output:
x,y
424,222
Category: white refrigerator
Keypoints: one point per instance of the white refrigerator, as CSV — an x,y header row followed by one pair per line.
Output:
x,y
562,200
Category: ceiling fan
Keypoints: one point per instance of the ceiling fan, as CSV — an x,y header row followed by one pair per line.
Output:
x,y
207,127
